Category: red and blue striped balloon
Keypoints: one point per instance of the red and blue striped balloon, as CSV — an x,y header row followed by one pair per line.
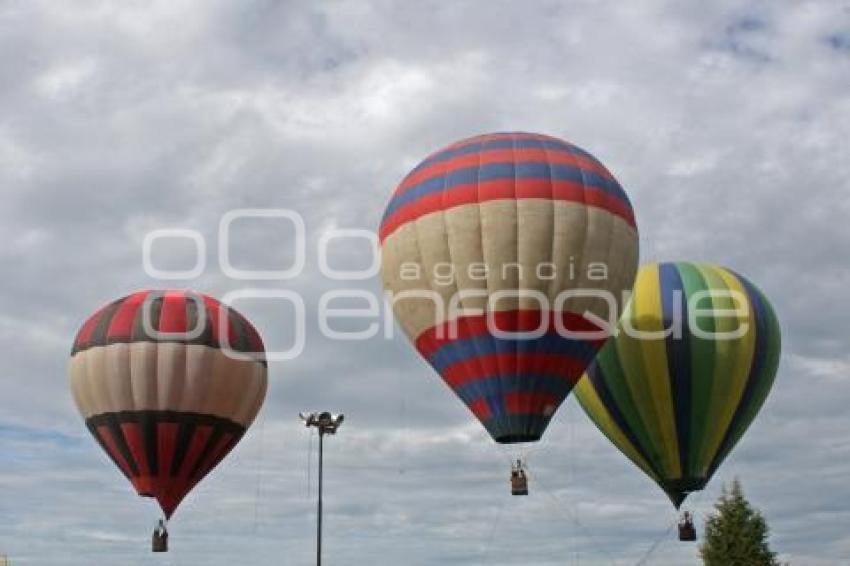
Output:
x,y
480,242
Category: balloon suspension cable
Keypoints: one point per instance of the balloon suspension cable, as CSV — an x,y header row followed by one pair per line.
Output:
x,y
657,544
487,550
530,449
514,452
666,534
566,510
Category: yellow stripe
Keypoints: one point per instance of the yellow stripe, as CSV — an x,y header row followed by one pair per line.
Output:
x,y
593,406
651,316
732,362
645,365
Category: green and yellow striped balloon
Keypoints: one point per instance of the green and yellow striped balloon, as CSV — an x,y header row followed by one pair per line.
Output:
x,y
678,399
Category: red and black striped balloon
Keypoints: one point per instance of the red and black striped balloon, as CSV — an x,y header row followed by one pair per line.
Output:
x,y
168,382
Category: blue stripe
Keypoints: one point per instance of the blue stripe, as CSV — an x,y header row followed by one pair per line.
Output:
x,y
494,386
508,170
599,381
530,427
496,404
678,359
476,147
464,349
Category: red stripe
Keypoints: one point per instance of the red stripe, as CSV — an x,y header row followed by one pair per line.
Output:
x,y
522,403
471,326
121,325
517,136
196,447
170,491
215,312
170,494
214,309
524,320
85,333
125,317
543,363
606,201
488,156
530,320
173,318
486,137
232,337
134,437
225,443
105,435
507,364
254,340
166,446
480,409
504,189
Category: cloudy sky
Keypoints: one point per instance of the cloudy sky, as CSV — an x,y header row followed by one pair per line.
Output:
x,y
726,123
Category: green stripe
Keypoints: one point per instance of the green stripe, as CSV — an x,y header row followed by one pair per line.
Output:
x,y
616,378
702,368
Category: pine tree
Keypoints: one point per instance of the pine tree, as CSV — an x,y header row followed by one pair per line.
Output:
x,y
736,533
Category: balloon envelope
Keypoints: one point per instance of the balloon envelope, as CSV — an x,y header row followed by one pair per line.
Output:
x,y
479,243
168,382
676,403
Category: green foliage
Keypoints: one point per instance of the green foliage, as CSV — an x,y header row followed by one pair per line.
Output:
x,y
736,533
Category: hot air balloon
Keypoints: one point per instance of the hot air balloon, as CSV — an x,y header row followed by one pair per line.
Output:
x,y
167,382
677,400
481,245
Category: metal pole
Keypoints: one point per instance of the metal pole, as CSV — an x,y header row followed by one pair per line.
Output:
x,y
326,423
319,533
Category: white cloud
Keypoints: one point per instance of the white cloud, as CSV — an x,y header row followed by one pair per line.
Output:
x,y
65,79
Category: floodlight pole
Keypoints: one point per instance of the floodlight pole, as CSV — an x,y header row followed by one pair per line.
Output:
x,y
319,507
326,423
